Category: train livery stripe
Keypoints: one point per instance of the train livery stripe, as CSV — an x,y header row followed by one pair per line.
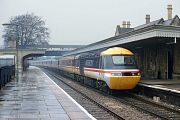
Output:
x,y
110,71
104,71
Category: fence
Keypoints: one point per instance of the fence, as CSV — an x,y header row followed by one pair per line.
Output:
x,y
6,74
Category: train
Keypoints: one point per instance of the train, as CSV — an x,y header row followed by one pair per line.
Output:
x,y
106,69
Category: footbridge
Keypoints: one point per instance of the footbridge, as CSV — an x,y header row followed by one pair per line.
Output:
x,y
56,50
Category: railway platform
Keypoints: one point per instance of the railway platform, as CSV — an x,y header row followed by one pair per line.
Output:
x,y
166,85
37,97
161,90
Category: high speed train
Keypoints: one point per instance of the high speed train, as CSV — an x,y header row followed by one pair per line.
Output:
x,y
111,69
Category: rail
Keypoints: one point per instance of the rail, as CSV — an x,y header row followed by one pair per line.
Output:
x,y
89,98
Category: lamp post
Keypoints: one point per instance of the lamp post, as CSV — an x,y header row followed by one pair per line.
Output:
x,y
16,46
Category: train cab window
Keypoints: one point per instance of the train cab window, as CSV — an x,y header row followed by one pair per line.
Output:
x,y
123,60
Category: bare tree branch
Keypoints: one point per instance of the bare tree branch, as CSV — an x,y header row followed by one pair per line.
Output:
x,y
28,30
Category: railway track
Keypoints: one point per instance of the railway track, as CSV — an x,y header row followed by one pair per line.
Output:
x,y
155,109
94,108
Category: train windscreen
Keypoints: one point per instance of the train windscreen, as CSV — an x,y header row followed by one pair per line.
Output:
x,y
119,62
126,60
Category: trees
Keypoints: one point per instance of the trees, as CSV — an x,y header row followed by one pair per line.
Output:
x,y
28,30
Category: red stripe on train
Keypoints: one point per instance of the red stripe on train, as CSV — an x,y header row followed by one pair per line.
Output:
x,y
109,71
103,71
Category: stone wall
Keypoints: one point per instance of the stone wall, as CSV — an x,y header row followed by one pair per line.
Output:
x,y
152,61
176,67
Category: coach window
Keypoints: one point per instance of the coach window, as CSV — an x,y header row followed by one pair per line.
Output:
x,y
71,62
77,63
89,63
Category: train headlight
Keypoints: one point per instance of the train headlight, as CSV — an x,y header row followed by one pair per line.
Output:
x,y
136,74
116,74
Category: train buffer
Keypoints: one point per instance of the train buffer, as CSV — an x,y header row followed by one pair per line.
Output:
x,y
38,97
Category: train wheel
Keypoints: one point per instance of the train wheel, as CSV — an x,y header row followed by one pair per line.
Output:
x,y
75,77
102,86
109,91
82,79
94,83
78,78
97,85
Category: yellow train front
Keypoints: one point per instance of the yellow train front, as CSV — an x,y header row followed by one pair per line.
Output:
x,y
114,68
119,69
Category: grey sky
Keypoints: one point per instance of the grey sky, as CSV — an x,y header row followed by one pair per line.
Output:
x,y
86,21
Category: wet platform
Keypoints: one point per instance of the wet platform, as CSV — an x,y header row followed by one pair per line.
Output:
x,y
163,84
37,97
160,90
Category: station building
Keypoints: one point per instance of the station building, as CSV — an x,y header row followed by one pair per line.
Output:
x,y
158,55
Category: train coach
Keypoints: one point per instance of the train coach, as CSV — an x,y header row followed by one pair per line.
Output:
x,y
107,69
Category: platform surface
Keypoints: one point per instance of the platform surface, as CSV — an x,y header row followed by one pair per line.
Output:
x,y
166,84
37,97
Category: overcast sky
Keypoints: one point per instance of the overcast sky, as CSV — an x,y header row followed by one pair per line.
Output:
x,y
81,22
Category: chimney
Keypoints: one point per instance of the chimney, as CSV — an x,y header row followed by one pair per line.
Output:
x,y
148,19
124,24
169,8
128,24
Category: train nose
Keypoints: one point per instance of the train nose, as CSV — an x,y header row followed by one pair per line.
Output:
x,y
123,82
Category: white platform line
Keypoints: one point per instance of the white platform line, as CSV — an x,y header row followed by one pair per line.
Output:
x,y
86,112
161,88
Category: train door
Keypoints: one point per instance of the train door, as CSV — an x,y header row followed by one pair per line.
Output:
x,y
81,66
169,64
101,67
